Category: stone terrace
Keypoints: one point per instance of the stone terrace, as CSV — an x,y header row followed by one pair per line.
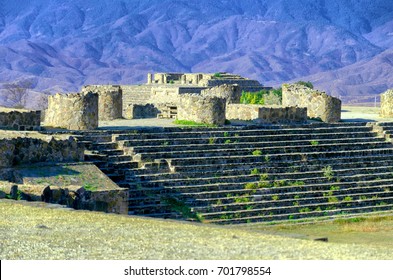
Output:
x,y
249,174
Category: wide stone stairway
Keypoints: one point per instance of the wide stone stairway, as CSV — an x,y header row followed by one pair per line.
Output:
x,y
250,174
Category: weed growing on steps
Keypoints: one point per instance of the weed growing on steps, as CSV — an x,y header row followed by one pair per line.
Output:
x,y
328,172
255,171
257,153
180,207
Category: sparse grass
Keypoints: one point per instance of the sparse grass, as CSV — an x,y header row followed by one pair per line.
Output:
x,y
255,171
275,197
264,177
257,153
192,123
314,142
298,183
228,141
251,186
279,183
328,172
242,199
212,140
89,187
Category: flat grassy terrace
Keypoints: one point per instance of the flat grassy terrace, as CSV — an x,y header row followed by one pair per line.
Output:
x,y
38,231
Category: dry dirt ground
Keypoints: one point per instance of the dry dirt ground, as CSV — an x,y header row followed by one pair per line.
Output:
x,y
49,232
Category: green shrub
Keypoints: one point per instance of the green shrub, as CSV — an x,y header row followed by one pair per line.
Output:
x,y
314,142
307,84
251,186
257,153
264,177
265,184
279,183
328,172
255,171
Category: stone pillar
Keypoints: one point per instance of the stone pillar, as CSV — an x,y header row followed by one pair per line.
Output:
x,y
149,78
183,79
110,104
164,78
387,104
76,111
202,109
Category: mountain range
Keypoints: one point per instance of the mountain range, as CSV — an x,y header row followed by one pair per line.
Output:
x,y
343,47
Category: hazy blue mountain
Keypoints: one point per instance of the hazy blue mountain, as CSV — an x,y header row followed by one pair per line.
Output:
x,y
344,47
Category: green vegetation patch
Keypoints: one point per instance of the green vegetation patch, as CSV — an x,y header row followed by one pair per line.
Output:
x,y
192,123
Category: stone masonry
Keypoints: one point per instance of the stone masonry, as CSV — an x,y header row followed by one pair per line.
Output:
x,y
20,119
266,114
231,93
387,104
110,101
167,88
202,109
29,150
77,111
318,104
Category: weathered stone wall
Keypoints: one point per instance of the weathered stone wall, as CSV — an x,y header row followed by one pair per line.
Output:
x,y
28,150
110,101
20,120
387,104
266,114
202,109
318,104
73,111
231,93
77,197
139,111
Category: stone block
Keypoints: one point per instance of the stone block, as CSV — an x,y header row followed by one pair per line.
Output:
x,y
318,104
202,109
387,104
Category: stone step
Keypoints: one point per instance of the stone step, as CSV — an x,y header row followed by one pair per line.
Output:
x,y
244,145
95,137
341,205
260,138
109,152
102,146
224,198
284,157
313,215
261,151
245,178
227,132
222,190
210,171
276,201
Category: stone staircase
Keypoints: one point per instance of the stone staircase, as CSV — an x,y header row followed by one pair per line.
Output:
x,y
247,174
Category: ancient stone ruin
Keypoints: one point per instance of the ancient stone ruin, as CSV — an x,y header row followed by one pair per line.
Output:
x,y
266,114
110,101
76,111
164,91
20,119
202,109
387,104
279,167
319,105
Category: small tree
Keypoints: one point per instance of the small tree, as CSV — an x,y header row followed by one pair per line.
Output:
x,y
16,93
306,84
